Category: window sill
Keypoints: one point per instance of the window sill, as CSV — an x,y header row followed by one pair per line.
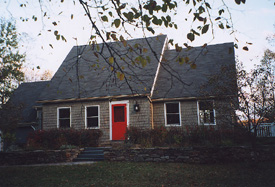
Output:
x,y
92,127
172,125
208,124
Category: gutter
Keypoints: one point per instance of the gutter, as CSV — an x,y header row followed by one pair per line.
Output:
x,y
92,98
190,98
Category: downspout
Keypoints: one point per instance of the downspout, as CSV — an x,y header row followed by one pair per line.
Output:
x,y
152,112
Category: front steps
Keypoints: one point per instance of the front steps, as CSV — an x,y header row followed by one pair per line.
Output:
x,y
90,154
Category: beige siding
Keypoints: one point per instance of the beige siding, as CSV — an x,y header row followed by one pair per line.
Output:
x,y
141,118
138,119
188,113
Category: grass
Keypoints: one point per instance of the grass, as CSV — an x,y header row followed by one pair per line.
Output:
x,y
140,174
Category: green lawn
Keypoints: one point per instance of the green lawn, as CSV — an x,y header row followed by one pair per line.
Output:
x,y
140,174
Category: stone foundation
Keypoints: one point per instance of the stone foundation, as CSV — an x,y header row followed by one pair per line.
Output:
x,y
197,155
38,157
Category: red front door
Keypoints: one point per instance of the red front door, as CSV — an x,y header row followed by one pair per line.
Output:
x,y
119,121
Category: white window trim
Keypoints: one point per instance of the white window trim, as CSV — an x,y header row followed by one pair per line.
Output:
x,y
165,116
110,113
198,113
86,122
58,116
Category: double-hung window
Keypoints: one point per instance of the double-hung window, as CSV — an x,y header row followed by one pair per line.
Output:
x,y
64,117
206,113
92,116
172,114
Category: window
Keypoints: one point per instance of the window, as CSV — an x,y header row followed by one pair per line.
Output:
x,y
172,113
64,117
92,117
206,113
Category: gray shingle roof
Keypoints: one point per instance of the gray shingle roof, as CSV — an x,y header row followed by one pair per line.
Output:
x,y
26,96
181,81
93,77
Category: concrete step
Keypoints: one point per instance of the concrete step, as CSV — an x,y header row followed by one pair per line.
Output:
x,y
87,159
93,151
90,154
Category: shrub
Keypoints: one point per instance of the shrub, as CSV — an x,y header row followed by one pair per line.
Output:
x,y
55,138
187,136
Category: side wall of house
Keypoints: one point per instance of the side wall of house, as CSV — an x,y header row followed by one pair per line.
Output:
x,y
141,118
189,113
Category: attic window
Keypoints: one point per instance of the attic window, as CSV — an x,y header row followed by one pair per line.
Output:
x,y
64,117
172,114
206,113
92,117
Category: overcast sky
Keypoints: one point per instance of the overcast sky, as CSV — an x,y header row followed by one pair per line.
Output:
x,y
253,21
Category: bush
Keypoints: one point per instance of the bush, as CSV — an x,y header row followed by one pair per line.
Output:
x,y
187,136
55,138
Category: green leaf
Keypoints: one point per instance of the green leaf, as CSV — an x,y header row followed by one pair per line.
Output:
x,y
238,2
221,26
111,60
113,36
191,36
117,22
168,18
178,48
55,33
54,23
104,18
151,30
195,32
155,20
221,11
245,48
208,5
51,46
144,50
120,76
193,66
130,16
205,29
92,37
63,38
164,7
95,53
110,14
58,37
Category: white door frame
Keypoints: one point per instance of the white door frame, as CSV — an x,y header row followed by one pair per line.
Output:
x,y
110,113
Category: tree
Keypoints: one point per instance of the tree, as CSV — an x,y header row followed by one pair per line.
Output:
x,y
32,75
11,61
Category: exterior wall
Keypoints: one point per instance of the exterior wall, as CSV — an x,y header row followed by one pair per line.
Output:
x,y
141,118
189,115
77,116
224,114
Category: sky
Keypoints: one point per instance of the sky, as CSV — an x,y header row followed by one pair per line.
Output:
x,y
253,22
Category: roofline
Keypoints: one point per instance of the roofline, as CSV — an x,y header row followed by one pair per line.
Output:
x,y
190,98
157,72
92,98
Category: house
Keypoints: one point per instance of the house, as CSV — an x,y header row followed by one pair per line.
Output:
x,y
142,84
25,109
